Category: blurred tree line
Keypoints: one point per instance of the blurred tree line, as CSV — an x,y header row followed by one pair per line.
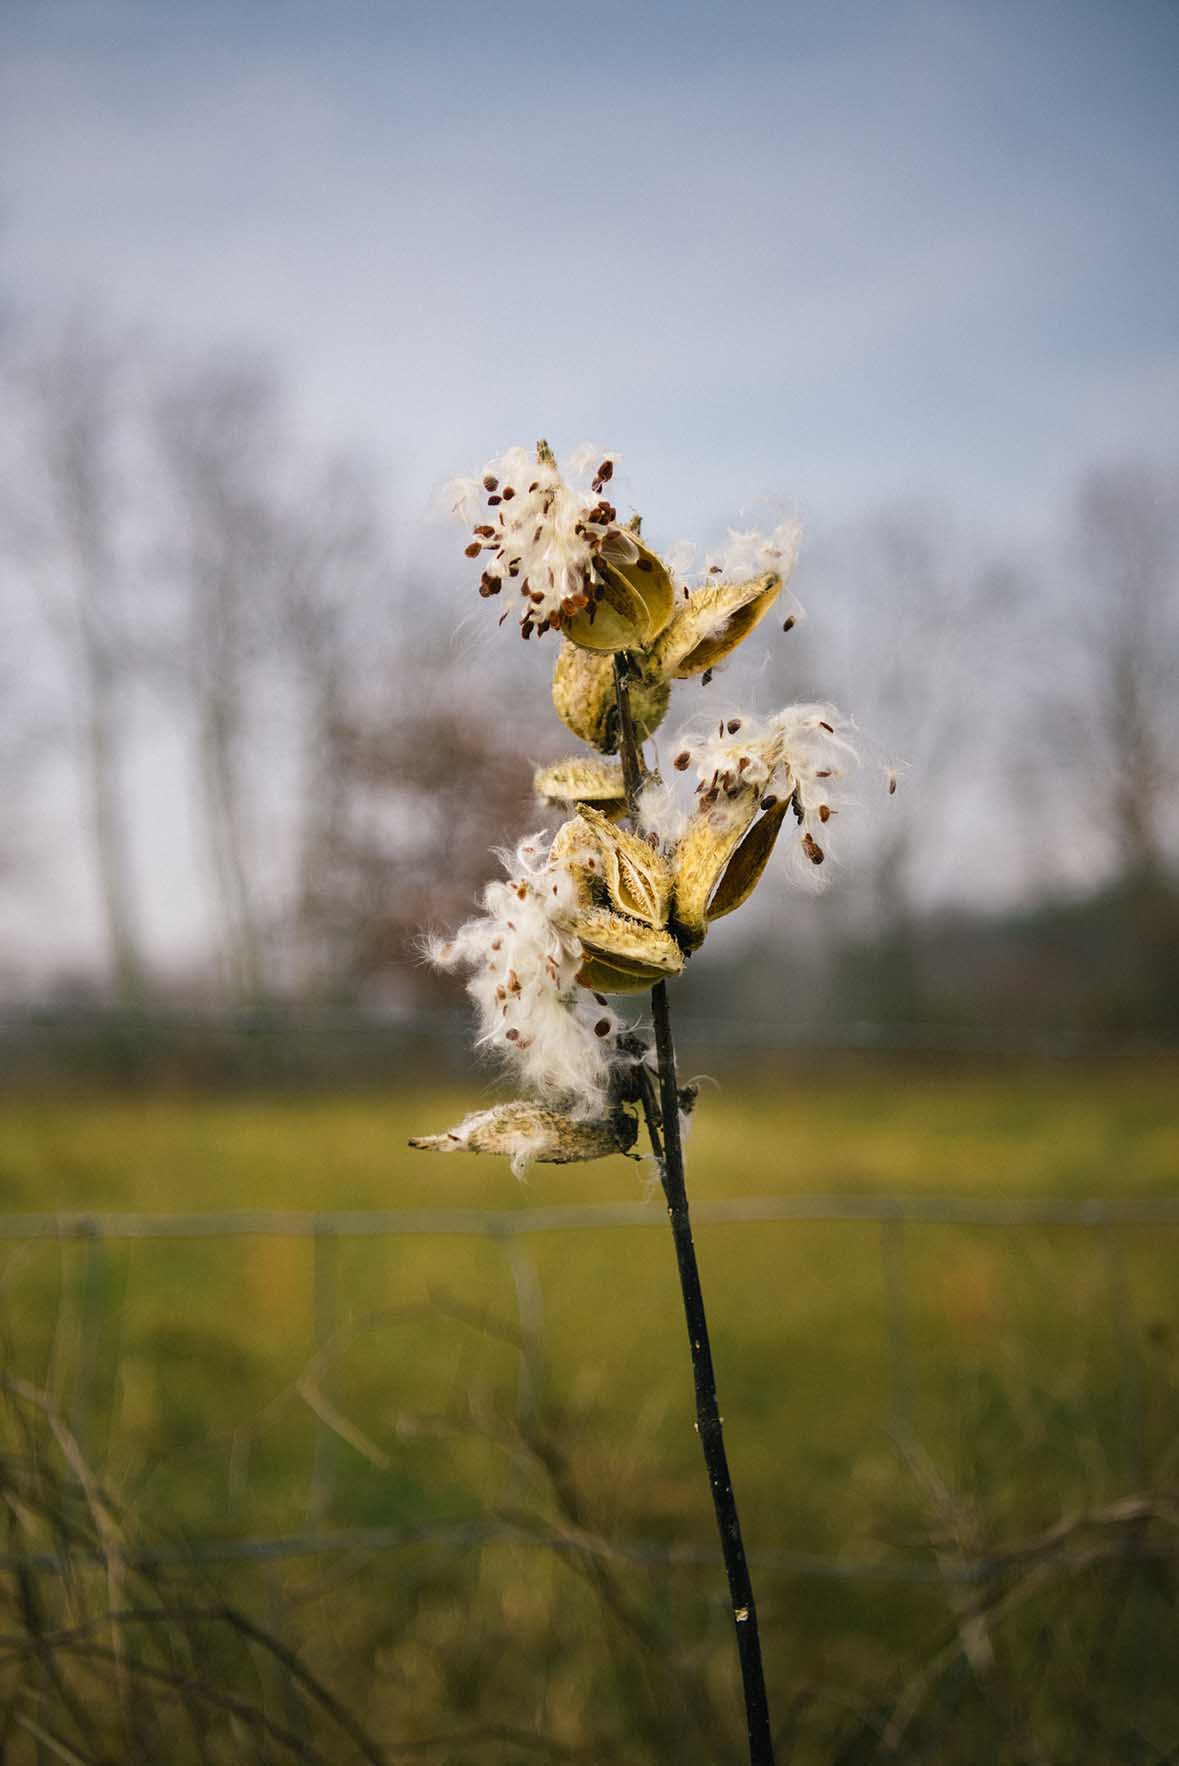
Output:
x,y
226,702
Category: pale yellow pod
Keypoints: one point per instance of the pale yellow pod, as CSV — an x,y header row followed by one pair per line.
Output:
x,y
529,1133
576,846
636,601
583,693
638,878
719,860
582,779
710,624
621,955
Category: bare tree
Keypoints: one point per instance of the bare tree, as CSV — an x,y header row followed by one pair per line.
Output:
x,y
334,589
218,434
65,517
1117,717
907,613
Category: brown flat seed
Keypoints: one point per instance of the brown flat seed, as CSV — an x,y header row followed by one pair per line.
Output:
x,y
830,728
512,1035
706,677
733,725
601,999
491,483
645,564
473,550
769,802
788,625
812,849
824,812
602,1027
508,493
682,762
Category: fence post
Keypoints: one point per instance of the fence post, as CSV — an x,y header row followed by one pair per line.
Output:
x,y
894,1271
1126,1349
324,1291
91,1303
530,1315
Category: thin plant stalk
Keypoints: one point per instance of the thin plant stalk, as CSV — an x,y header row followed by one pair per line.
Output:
x,y
668,1149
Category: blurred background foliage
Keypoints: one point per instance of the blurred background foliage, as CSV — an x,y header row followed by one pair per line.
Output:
x,y
263,753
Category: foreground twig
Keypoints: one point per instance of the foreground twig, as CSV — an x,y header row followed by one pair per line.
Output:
x,y
668,1149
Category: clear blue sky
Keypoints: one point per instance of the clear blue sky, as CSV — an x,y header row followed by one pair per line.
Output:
x,y
833,251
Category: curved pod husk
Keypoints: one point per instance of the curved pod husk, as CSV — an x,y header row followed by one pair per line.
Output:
x,y
530,1133
638,878
719,861
621,955
635,604
583,693
582,779
710,624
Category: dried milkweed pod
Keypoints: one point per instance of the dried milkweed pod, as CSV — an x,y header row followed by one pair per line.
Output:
x,y
719,860
620,954
710,624
553,545
635,598
583,693
637,877
576,850
529,1134
583,779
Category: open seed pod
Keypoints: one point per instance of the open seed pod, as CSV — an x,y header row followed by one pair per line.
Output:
x,y
710,624
531,1134
719,860
576,846
583,779
638,879
583,693
622,955
635,602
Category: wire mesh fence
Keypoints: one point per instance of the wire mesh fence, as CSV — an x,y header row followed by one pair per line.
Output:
x,y
897,1219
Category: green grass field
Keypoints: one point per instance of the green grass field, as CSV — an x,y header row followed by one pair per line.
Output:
x,y
958,1398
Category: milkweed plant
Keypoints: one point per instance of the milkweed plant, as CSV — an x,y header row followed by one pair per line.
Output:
x,y
645,858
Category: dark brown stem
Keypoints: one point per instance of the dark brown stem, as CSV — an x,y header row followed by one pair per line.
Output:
x,y
667,1146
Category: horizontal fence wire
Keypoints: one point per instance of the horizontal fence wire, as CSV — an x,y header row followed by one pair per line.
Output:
x,y
301,1024
508,1223
893,1215
478,1533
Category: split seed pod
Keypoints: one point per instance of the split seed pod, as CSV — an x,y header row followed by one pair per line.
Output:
x,y
528,1133
621,955
710,624
584,779
637,878
719,860
583,693
636,600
